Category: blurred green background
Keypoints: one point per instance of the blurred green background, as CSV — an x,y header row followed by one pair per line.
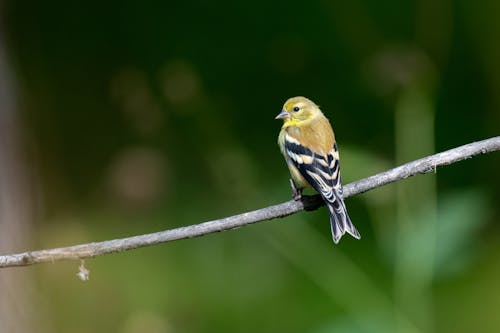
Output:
x,y
126,117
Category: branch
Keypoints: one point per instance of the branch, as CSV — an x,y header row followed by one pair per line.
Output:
x,y
423,165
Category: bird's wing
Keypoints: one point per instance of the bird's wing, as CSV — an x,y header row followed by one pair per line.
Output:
x,y
321,172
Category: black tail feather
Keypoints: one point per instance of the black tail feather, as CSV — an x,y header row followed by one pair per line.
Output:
x,y
339,220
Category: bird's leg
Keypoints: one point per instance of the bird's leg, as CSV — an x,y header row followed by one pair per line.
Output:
x,y
296,192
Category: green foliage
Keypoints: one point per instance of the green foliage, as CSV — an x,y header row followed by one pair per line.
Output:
x,y
140,117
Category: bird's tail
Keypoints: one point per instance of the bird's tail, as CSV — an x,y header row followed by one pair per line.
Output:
x,y
339,219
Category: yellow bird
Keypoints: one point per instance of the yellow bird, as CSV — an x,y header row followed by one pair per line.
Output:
x,y
308,144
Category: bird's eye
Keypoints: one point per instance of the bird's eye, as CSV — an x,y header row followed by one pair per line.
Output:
x,y
296,108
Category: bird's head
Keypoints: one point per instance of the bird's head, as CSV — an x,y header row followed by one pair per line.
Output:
x,y
297,110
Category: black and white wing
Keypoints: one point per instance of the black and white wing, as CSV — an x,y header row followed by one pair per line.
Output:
x,y
323,174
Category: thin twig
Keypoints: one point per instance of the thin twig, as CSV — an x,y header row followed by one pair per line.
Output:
x,y
77,252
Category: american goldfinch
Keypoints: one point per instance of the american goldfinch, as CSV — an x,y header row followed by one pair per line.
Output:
x,y
308,144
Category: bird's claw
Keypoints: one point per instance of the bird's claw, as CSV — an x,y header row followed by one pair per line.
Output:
x,y
296,192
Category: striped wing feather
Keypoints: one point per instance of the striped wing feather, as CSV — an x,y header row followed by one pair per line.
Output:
x,y
323,174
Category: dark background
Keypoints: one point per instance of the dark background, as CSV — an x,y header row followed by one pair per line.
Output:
x,y
133,117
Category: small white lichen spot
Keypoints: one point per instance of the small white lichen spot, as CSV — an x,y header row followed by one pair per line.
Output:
x,y
83,273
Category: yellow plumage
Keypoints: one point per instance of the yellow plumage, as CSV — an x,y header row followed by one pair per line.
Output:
x,y
308,144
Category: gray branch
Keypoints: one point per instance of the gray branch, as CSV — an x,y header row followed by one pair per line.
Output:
x,y
77,252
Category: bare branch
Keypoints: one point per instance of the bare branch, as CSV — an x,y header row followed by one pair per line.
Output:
x,y
77,252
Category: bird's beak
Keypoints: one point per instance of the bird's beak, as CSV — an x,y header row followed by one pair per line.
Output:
x,y
283,115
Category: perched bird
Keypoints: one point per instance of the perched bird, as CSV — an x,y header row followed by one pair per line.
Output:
x,y
308,144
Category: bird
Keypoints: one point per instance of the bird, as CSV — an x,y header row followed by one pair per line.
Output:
x,y
308,144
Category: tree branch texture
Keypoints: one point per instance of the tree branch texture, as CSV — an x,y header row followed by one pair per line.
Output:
x,y
77,252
